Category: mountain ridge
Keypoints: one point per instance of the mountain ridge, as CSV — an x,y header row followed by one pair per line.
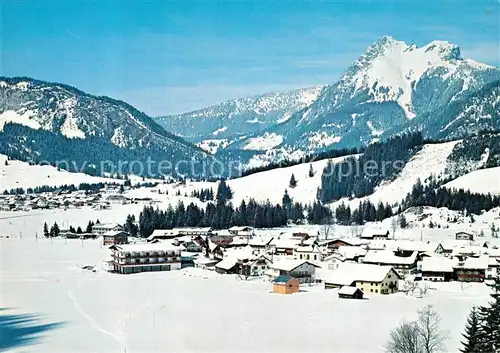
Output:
x,y
62,115
391,88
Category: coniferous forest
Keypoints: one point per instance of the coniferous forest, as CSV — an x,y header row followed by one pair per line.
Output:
x,y
358,176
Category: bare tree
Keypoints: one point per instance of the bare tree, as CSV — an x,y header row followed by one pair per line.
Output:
x,y
431,335
409,286
328,227
394,226
421,336
404,339
354,231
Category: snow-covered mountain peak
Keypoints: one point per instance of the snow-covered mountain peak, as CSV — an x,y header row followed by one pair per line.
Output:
x,y
389,69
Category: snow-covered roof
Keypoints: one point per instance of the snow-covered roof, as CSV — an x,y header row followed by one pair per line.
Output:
x,y
113,233
287,243
161,233
308,249
347,273
437,264
202,260
350,252
450,244
389,257
348,290
260,240
107,225
192,230
371,232
240,228
475,263
289,264
467,250
227,263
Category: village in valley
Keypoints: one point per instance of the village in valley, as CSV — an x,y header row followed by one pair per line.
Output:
x,y
95,239
368,260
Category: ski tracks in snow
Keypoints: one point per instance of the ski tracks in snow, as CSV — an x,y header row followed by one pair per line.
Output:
x,y
92,321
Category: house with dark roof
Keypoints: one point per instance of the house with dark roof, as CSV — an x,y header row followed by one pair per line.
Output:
x,y
348,292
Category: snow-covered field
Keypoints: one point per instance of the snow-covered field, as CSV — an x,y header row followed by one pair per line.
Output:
x,y
269,185
197,311
20,174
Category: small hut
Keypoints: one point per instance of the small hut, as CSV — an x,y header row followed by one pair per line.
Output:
x,y
347,292
285,285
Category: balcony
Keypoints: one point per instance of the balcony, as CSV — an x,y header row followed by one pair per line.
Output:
x,y
147,256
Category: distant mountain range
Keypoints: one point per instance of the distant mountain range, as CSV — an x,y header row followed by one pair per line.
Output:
x,y
393,87
42,121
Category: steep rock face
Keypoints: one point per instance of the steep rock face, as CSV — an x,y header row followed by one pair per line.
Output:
x,y
82,126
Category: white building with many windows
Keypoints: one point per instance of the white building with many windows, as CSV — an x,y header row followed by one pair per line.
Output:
x,y
148,257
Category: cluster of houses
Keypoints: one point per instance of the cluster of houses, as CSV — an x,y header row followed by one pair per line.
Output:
x,y
101,199
369,263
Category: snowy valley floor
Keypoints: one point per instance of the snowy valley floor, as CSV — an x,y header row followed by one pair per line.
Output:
x,y
197,311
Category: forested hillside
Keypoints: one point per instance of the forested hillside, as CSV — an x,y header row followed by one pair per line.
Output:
x,y
358,177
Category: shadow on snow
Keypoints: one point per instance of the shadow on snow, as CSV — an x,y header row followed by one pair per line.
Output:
x,y
22,329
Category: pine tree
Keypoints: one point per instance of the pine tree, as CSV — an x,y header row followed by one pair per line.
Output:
x,y
489,317
46,230
54,230
472,335
311,171
293,182
402,221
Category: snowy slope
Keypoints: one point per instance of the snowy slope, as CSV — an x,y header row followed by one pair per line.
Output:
x,y
269,185
23,175
431,160
481,181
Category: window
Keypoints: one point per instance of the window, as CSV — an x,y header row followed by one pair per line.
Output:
x,y
371,290
376,290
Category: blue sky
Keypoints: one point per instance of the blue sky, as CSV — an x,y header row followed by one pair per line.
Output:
x,y
173,56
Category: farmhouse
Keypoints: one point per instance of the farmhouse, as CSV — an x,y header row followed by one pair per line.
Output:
x,y
116,199
302,270
286,285
403,262
368,278
284,246
437,269
241,231
334,260
309,252
134,258
472,269
464,236
114,237
100,229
